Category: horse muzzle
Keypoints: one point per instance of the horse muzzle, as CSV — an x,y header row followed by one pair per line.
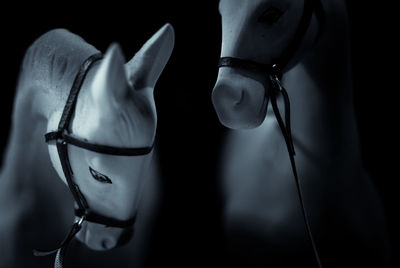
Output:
x,y
240,98
100,237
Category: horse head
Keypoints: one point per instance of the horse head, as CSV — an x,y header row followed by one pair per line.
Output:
x,y
263,32
115,108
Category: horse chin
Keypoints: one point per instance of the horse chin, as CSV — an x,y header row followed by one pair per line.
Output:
x,y
240,102
99,237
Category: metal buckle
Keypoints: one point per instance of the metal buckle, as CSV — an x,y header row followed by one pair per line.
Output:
x,y
276,81
274,76
80,221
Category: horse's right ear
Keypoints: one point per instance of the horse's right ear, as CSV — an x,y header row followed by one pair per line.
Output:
x,y
146,66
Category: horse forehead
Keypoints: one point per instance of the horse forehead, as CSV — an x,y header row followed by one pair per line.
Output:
x,y
243,6
109,162
233,8
231,5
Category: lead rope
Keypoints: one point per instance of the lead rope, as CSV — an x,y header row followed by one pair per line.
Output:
x,y
287,134
61,250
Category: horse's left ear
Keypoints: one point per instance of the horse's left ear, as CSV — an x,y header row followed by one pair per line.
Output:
x,y
146,66
110,81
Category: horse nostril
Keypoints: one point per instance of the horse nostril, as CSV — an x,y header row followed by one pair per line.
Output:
x,y
225,94
240,102
242,96
105,243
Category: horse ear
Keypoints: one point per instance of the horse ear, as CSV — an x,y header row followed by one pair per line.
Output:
x,y
110,81
146,66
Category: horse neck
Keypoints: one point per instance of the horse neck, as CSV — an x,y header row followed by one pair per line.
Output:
x,y
47,73
320,91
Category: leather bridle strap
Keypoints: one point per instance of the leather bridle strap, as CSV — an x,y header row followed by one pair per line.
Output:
x,y
298,37
101,219
102,149
280,62
248,65
75,228
63,126
286,132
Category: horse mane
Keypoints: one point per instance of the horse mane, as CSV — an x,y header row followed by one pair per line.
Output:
x,y
52,61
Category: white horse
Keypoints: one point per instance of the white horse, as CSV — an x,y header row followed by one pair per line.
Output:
x,y
262,216
115,107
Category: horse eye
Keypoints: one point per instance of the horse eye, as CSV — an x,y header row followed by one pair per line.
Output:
x,y
99,177
270,16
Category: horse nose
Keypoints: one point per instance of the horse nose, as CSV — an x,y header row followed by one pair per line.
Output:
x,y
240,102
107,243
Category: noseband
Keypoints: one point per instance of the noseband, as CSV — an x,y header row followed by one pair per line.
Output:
x,y
63,137
274,72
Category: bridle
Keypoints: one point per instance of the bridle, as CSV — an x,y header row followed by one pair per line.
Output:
x,y
274,72
63,137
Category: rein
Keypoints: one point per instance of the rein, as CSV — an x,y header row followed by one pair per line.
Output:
x,y
274,72
63,137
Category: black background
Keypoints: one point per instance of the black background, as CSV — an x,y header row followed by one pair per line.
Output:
x,y
189,134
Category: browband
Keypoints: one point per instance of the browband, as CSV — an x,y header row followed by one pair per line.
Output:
x,y
103,149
